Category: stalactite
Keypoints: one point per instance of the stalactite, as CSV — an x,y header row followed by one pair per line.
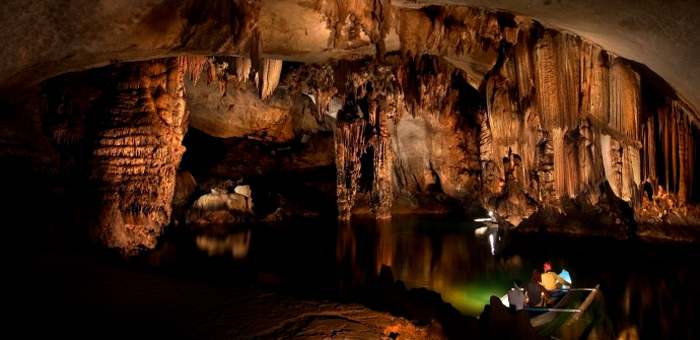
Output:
x,y
600,85
524,69
664,116
574,183
691,161
605,148
382,186
545,170
316,81
194,65
650,153
547,87
489,172
221,70
635,165
674,148
627,173
568,74
241,69
682,159
349,147
269,77
624,99
614,170
560,168
507,123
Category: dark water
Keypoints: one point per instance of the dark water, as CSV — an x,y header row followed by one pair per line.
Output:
x,y
648,291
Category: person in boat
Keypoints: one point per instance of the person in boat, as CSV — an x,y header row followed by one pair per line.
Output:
x,y
565,275
516,296
536,294
552,280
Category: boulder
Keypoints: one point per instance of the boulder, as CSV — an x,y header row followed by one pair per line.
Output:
x,y
220,207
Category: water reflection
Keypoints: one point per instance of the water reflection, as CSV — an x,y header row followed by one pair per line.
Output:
x,y
236,244
647,291
455,259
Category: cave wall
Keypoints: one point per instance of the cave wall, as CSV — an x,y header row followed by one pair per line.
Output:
x,y
432,109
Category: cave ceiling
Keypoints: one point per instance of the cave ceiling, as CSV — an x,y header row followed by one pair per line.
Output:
x,y
46,38
658,34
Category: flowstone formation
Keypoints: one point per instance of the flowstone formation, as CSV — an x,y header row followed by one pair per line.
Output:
x,y
125,134
409,109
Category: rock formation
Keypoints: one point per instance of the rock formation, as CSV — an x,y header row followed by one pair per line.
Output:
x,y
412,108
222,207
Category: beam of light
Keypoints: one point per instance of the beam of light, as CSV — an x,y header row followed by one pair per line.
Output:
x,y
493,249
480,231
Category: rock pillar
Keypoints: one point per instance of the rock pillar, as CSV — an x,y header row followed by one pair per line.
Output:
x,y
349,147
138,150
382,186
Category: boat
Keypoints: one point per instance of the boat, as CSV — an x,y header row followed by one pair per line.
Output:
x,y
567,307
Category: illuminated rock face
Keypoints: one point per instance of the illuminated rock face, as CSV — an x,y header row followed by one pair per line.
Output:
x,y
431,109
138,152
123,127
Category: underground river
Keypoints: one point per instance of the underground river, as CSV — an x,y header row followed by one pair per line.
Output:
x,y
648,290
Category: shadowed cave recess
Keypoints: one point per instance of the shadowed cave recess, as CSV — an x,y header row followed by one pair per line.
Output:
x,y
393,110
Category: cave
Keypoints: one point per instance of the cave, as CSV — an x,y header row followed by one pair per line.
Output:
x,y
127,127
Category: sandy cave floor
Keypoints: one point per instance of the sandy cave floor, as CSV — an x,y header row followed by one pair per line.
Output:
x,y
55,293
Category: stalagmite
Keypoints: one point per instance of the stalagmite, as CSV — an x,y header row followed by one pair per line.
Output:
x,y
137,154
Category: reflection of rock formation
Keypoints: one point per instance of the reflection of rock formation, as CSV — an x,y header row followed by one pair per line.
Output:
x,y
236,244
384,247
361,251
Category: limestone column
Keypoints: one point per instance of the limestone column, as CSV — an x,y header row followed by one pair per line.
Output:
x,y
349,146
382,186
138,150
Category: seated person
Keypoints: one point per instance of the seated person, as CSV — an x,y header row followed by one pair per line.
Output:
x,y
565,275
537,295
552,280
